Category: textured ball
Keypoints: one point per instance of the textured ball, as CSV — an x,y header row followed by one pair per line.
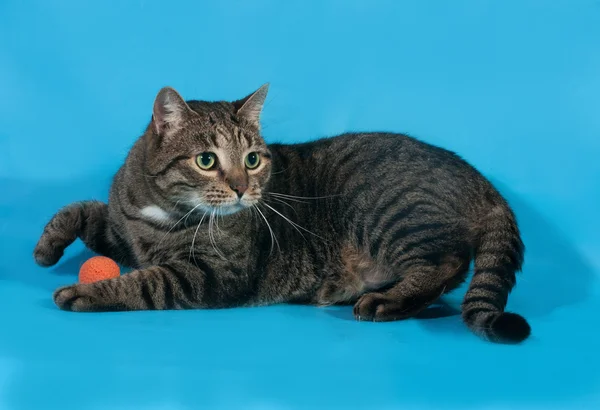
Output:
x,y
98,268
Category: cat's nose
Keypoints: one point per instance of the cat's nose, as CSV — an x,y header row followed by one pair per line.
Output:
x,y
239,189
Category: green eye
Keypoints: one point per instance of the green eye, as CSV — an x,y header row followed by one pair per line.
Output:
x,y
252,160
206,160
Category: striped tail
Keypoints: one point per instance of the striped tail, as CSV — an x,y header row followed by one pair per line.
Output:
x,y
498,255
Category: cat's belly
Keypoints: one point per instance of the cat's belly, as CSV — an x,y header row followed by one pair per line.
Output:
x,y
358,274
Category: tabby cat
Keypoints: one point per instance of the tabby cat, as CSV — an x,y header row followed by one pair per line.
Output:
x,y
210,216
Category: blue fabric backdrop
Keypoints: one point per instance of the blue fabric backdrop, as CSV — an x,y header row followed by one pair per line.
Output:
x,y
512,86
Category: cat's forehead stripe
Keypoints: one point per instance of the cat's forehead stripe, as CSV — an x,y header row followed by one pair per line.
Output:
x,y
223,157
221,140
212,137
249,139
224,138
238,134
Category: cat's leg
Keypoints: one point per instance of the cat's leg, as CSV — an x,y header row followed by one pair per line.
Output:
x,y
176,285
87,220
422,284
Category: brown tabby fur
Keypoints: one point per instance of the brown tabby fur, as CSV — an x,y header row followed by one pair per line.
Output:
x,y
380,220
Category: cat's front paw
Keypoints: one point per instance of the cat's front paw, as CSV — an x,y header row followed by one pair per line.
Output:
x,y
76,298
45,254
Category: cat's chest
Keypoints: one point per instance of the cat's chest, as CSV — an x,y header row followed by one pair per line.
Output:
x,y
158,237
156,214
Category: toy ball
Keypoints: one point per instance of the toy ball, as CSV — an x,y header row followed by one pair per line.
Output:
x,y
98,268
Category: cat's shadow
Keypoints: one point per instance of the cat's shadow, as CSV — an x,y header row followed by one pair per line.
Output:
x,y
440,309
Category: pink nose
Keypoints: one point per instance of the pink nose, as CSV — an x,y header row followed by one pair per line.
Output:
x,y
239,189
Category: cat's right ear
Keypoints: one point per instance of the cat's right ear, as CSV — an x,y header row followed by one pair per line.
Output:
x,y
170,112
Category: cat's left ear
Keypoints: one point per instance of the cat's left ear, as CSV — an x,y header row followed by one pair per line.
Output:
x,y
251,106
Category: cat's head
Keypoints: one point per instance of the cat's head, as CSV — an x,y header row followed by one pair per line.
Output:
x,y
208,155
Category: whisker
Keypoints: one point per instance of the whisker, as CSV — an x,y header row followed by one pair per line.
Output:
x,y
176,223
218,230
285,203
210,225
280,172
273,237
175,206
211,234
304,197
192,250
294,224
286,219
186,218
289,199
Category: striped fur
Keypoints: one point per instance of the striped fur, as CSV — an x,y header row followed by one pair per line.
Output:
x,y
382,221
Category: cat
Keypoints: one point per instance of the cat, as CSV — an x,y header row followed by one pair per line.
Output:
x,y
210,216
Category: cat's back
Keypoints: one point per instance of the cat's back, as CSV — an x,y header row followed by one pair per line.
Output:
x,y
367,149
352,161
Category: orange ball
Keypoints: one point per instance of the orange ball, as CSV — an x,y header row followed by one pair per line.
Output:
x,y
98,268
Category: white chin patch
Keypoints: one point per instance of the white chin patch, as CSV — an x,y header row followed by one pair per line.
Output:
x,y
155,213
230,209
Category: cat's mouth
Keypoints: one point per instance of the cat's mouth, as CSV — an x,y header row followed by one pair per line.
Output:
x,y
231,207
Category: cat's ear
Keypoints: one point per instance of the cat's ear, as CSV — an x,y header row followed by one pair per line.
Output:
x,y
251,106
170,112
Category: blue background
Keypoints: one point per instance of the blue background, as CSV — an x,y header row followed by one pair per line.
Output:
x,y
513,86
